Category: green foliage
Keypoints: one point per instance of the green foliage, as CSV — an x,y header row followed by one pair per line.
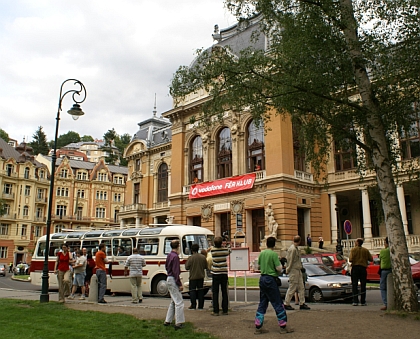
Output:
x,y
86,138
240,281
4,135
109,138
308,250
54,320
67,138
39,142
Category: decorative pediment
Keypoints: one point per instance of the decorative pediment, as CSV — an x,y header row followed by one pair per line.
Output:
x,y
206,212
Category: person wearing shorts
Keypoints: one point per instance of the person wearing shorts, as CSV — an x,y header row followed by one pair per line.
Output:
x,y
79,268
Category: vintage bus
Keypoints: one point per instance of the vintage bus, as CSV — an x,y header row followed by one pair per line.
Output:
x,y
153,242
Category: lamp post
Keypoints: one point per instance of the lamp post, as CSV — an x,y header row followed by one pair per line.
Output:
x,y
75,112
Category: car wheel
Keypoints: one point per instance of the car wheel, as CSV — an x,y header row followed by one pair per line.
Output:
x,y
315,295
159,286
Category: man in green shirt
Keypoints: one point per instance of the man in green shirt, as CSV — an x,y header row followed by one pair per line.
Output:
x,y
385,264
270,268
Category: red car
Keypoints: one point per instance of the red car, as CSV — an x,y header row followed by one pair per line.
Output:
x,y
338,260
373,267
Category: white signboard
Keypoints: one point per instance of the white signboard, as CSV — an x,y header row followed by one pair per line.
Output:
x,y
239,259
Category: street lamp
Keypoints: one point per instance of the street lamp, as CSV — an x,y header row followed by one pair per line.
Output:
x,y
75,112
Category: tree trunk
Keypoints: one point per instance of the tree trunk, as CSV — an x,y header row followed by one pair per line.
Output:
x,y
405,296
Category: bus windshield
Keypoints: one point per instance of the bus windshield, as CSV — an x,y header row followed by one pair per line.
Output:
x,y
188,240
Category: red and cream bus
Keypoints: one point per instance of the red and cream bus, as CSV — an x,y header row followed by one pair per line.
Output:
x,y
153,243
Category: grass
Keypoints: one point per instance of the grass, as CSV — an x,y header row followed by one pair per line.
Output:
x,y
21,277
23,319
240,282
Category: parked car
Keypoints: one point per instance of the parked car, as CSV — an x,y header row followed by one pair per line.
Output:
x,y
338,260
373,268
314,259
323,284
3,269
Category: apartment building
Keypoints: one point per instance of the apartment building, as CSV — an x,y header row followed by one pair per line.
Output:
x,y
24,188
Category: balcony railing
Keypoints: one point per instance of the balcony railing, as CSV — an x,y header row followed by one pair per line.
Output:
x,y
40,219
8,195
304,176
376,244
41,199
162,204
133,207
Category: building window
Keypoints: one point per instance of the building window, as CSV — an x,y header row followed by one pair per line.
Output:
x,y
79,213
26,173
81,175
81,194
3,252
23,230
27,190
61,210
196,160
42,174
62,192
40,193
4,229
344,155
410,140
119,180
224,155
102,177
100,212
25,211
38,231
256,147
117,197
136,197
58,228
138,163
39,212
298,152
162,183
7,188
63,173
9,170
6,208
101,195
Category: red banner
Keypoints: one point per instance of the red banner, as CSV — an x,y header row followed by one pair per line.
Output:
x,y
222,186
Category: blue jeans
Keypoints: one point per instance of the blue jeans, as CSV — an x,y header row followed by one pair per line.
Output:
x,y
382,285
269,292
101,275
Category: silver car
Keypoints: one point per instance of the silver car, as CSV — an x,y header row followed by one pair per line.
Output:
x,y
322,284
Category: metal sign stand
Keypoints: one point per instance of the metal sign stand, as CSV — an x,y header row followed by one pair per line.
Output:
x,y
239,261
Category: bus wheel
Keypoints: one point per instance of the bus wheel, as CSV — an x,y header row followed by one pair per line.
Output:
x,y
159,286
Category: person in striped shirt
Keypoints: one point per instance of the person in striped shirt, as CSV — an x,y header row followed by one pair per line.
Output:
x,y
219,270
135,263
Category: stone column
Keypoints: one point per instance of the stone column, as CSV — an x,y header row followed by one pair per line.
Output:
x,y
401,201
367,225
334,230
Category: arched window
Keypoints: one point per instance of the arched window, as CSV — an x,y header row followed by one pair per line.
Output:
x,y
26,174
298,151
196,160
224,155
9,170
255,147
162,183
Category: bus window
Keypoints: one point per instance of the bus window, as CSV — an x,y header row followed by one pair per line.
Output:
x,y
126,246
188,240
108,249
41,250
73,245
168,244
91,245
148,246
55,247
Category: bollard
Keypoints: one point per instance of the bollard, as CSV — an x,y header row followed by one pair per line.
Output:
x,y
390,292
93,289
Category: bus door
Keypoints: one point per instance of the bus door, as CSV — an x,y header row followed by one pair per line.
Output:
x,y
121,248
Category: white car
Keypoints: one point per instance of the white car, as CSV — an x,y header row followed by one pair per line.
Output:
x,y
323,284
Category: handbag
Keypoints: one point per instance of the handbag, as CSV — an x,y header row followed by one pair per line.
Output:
x,y
278,281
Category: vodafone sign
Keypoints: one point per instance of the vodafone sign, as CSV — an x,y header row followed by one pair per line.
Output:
x,y
223,186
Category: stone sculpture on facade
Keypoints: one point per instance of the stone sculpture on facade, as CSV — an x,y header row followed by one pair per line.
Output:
x,y
272,225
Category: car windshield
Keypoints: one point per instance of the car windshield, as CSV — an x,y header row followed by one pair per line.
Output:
x,y
318,270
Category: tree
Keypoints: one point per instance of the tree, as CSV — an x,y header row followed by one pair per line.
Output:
x,y
67,138
341,70
4,135
86,138
121,143
39,142
109,138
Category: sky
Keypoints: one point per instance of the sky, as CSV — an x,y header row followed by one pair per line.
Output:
x,y
124,52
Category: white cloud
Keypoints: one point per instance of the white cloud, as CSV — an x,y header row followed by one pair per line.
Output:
x,y
123,51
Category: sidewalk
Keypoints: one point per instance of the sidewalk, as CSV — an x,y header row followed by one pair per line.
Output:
x,y
154,302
